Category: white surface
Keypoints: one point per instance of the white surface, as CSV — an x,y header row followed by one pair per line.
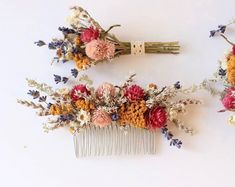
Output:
x,y
31,158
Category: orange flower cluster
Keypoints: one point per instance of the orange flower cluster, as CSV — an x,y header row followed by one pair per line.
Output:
x,y
231,69
81,63
62,109
133,114
84,105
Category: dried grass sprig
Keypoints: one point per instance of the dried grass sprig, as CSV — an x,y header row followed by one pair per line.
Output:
x,y
40,86
30,104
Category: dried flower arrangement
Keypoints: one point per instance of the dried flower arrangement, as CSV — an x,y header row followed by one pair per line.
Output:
x,y
124,107
225,74
86,43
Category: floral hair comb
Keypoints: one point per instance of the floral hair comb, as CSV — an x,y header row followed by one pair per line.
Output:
x,y
225,74
112,120
86,43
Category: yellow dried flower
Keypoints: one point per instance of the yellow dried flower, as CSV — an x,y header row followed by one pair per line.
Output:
x,y
133,114
69,55
84,105
60,109
231,69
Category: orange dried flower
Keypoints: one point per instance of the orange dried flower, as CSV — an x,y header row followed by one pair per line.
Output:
x,y
231,69
84,105
82,63
133,114
152,85
59,53
77,40
60,109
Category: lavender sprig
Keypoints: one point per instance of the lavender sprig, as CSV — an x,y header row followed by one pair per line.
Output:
x,y
221,30
42,99
66,30
177,85
169,136
40,43
58,79
74,72
34,93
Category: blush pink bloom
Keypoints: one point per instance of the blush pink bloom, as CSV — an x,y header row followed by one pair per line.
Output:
x,y
100,50
156,118
101,118
89,34
106,89
134,93
234,50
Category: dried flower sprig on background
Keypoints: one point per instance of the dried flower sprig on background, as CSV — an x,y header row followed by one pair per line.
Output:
x,y
86,43
83,106
225,75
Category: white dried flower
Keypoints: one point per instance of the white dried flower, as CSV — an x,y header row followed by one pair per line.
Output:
x,y
83,117
172,114
231,120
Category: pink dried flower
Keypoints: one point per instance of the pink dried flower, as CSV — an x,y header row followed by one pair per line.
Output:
x,y
134,93
101,118
89,34
234,50
100,50
229,99
156,118
106,89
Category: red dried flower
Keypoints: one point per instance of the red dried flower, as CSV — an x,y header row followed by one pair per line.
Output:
x,y
79,91
234,50
156,117
229,99
134,93
89,34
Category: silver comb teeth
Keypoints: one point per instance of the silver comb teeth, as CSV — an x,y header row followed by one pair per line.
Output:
x,y
112,140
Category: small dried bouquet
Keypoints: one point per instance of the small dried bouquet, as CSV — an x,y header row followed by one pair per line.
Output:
x,y
225,74
82,106
86,43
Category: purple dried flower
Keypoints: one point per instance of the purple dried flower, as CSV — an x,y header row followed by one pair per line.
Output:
x,y
57,79
74,72
40,43
65,80
66,30
34,93
42,98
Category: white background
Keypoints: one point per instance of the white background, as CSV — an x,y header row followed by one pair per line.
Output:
x,y
31,158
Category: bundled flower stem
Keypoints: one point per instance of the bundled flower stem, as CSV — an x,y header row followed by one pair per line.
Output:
x,y
86,43
225,75
83,106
